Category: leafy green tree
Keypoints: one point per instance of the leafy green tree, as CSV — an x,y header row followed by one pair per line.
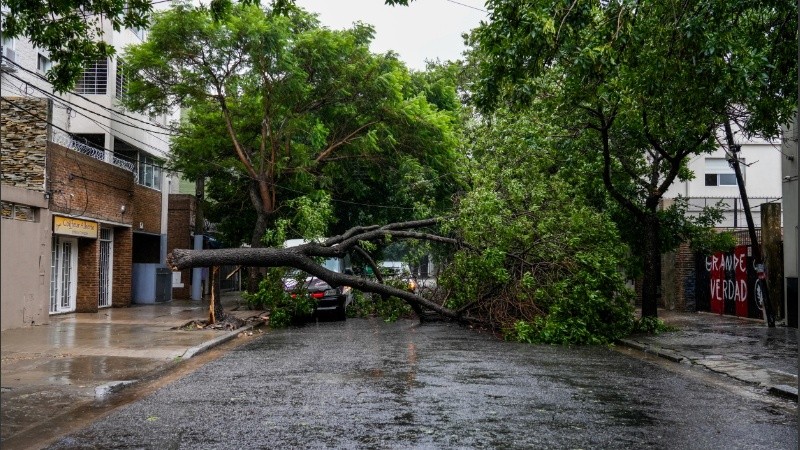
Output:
x,y
540,261
643,84
71,30
284,107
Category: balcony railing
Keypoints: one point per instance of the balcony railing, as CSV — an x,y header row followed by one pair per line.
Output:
x,y
65,140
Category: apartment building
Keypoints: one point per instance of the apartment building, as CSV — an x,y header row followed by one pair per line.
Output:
x,y
84,192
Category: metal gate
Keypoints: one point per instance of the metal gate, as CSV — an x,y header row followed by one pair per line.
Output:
x,y
64,275
106,266
726,283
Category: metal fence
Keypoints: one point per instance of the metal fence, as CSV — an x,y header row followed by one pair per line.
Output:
x,y
732,209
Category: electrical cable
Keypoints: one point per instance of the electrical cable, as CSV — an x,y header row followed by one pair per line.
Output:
x,y
467,6
72,104
41,78
71,134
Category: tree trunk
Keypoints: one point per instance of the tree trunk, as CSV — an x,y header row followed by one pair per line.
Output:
x,y
216,311
651,279
254,273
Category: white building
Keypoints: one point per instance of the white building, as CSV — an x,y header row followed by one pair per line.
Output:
x,y
714,181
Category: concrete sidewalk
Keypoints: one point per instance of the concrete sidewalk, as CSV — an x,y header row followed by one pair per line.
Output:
x,y
743,349
79,358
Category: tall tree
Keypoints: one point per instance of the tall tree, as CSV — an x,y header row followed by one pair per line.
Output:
x,y
279,103
644,84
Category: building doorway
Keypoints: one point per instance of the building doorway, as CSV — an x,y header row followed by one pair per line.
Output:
x,y
64,275
106,267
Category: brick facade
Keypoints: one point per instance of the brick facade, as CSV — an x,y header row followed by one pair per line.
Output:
x,y
180,225
83,186
88,275
146,211
123,265
678,279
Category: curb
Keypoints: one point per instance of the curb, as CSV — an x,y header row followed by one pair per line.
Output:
x,y
102,391
781,390
784,391
197,349
663,353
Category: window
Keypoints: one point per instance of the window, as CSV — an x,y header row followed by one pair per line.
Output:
x,y
140,33
122,80
9,49
43,63
95,78
720,173
18,212
150,172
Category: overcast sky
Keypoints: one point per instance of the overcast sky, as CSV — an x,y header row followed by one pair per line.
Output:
x,y
427,29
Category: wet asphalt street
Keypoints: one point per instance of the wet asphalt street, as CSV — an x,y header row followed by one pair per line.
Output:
x,y
367,384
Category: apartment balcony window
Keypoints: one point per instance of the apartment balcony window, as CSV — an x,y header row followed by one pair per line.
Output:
x,y
95,79
150,172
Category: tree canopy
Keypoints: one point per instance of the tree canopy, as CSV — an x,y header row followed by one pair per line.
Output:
x,y
642,85
71,31
283,107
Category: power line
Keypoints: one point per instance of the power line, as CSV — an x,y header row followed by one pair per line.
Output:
x,y
41,78
116,132
370,205
467,6
36,116
71,104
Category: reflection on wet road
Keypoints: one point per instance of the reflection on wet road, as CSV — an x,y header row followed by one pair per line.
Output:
x,y
367,384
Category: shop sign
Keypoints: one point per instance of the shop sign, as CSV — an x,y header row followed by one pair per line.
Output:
x,y
74,227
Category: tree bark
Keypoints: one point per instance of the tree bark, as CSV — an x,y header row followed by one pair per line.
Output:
x,y
651,279
302,257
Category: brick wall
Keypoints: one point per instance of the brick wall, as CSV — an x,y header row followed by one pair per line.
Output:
x,y
146,209
86,187
121,286
23,142
180,224
678,279
88,275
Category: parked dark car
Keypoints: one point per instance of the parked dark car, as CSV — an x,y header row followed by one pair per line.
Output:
x,y
329,300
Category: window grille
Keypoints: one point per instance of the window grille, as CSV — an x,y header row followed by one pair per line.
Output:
x,y
54,276
94,79
106,252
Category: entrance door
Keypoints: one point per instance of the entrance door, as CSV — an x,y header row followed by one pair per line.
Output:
x,y
106,266
64,275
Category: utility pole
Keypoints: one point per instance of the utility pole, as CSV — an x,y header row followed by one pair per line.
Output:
x,y
199,225
733,160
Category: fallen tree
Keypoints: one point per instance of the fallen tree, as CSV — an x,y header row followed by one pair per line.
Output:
x,y
537,277
302,257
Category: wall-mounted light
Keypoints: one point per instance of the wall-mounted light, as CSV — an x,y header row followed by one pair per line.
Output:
x,y
141,225
122,209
